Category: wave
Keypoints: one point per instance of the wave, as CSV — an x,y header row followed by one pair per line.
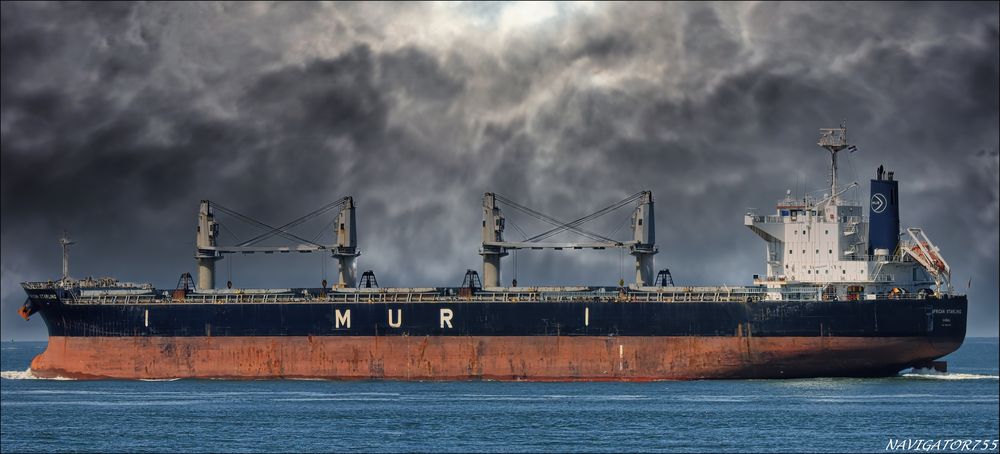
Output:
x,y
65,391
718,399
26,375
551,396
334,399
388,397
976,400
323,394
98,403
927,375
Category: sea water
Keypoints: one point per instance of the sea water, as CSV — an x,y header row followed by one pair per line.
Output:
x,y
823,414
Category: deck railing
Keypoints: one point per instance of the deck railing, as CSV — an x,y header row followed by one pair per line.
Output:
x,y
599,295
678,294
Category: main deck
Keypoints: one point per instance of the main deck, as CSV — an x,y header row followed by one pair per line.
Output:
x,y
145,294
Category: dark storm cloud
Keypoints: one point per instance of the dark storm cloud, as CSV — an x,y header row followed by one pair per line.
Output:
x,y
118,118
419,74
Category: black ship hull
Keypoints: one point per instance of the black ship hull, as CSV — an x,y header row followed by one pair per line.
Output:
x,y
454,339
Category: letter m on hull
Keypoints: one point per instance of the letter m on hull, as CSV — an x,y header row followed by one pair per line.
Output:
x,y
342,319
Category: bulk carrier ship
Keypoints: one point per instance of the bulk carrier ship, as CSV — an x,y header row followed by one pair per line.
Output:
x,y
844,294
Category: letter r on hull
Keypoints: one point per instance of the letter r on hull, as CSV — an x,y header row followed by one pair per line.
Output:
x,y
446,315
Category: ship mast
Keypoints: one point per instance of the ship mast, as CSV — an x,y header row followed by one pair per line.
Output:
x,y
65,242
833,140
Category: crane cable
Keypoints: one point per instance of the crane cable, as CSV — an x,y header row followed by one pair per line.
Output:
x,y
271,229
548,219
278,230
571,226
591,216
257,223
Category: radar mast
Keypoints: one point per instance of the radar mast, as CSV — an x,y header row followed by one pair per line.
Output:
x,y
834,140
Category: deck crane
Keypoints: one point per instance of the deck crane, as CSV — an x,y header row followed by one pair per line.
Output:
x,y
345,250
642,245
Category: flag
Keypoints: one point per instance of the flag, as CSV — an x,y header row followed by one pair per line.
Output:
x,y
852,148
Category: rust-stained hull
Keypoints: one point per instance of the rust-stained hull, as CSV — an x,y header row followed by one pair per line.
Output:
x,y
551,358
451,339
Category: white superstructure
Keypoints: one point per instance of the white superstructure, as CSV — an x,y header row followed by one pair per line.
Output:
x,y
825,243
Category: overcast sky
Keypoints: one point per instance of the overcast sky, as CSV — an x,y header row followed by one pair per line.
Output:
x,y
118,118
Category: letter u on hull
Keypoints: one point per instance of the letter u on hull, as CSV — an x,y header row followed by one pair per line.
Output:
x,y
398,320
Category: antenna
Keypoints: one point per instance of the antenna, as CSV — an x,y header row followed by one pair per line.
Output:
x,y
834,140
65,242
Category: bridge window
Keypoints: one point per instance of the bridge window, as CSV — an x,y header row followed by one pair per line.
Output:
x,y
831,251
